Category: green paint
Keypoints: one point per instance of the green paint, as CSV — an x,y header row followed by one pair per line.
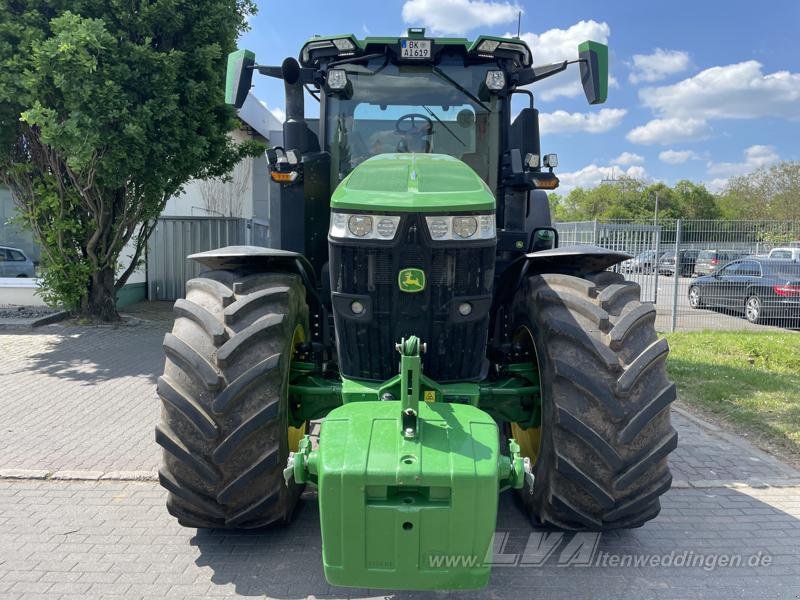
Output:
x,y
391,505
413,183
131,293
411,280
235,74
594,71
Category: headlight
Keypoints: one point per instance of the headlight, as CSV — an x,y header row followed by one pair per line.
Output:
x,y
337,79
465,227
363,227
495,80
461,227
360,225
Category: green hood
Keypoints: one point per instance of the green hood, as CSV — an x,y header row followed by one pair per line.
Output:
x,y
413,183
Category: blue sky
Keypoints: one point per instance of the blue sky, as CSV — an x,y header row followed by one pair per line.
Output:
x,y
701,90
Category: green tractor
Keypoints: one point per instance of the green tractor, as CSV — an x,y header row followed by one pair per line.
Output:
x,y
417,302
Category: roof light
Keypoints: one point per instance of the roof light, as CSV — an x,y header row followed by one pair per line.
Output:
x,y
344,44
488,46
495,80
516,47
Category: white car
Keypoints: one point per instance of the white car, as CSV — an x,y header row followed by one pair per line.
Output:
x,y
14,263
785,253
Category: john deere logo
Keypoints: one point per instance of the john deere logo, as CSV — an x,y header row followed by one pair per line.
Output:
x,y
411,280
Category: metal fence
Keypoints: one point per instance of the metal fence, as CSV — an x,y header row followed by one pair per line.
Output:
x,y
684,298
174,238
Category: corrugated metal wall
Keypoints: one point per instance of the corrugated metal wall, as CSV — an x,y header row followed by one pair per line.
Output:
x,y
174,238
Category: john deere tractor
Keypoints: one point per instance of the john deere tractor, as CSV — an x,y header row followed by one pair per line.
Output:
x,y
417,303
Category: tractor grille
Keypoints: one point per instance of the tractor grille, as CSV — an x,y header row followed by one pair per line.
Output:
x,y
455,346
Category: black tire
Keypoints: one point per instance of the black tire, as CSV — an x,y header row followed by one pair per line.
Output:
x,y
224,415
606,432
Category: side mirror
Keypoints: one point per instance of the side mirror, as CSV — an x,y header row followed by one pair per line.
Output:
x,y
594,71
239,77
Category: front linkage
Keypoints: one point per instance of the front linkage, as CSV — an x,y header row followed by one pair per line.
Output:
x,y
406,482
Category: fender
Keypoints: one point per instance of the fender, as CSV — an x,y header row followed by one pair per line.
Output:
x,y
577,260
235,257
257,258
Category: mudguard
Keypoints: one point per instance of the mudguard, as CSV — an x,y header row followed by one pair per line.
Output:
x,y
577,260
257,258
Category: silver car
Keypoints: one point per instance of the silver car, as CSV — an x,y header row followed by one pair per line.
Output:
x,y
14,263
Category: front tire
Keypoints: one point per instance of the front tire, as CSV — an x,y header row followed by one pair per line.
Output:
x,y
224,417
602,459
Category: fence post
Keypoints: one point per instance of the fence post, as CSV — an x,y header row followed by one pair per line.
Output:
x,y
594,232
676,274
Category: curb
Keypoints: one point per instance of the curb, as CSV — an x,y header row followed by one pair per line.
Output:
x,y
735,440
41,474
48,319
152,476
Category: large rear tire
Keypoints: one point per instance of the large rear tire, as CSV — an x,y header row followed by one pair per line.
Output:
x,y
600,458
224,418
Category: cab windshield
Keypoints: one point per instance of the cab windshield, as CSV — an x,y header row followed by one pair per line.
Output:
x,y
443,109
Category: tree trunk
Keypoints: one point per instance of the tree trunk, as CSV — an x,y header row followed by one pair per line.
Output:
x,y
100,302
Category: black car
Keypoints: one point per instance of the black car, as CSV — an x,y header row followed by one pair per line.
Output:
x,y
761,288
688,258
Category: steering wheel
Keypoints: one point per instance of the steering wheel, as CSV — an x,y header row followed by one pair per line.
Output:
x,y
426,128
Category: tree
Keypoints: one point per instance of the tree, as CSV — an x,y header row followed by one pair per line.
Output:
x,y
111,107
769,193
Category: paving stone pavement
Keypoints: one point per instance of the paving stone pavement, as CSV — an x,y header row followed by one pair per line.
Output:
x,y
114,539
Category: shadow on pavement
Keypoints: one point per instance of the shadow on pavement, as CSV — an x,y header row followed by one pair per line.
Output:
x,y
719,543
89,354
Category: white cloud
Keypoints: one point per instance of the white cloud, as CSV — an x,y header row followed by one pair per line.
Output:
x,y
458,16
556,45
562,121
628,158
677,157
738,91
593,175
669,131
716,185
755,157
658,65
278,112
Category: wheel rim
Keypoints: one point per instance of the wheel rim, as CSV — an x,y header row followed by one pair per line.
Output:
x,y
529,439
295,434
752,309
694,297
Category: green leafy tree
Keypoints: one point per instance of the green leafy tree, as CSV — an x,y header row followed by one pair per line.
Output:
x,y
106,110
769,193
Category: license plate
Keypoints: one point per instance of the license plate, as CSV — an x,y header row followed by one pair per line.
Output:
x,y
415,49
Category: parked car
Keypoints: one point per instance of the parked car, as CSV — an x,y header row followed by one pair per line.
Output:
x,y
644,262
785,253
14,263
709,261
761,288
688,258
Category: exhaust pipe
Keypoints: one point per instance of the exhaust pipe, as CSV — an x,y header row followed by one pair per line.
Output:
x,y
294,128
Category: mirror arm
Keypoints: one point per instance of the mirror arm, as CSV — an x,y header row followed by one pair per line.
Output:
x,y
307,75
534,74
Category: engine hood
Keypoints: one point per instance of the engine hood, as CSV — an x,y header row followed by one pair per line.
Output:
x,y
407,182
